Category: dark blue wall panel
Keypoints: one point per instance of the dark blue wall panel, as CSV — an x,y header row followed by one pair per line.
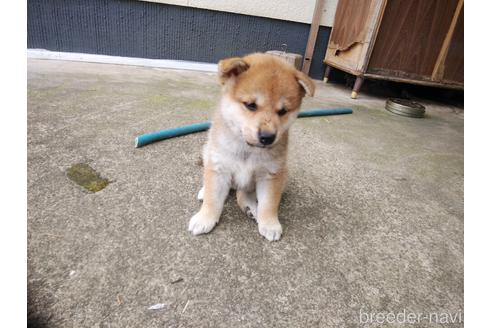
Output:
x,y
159,31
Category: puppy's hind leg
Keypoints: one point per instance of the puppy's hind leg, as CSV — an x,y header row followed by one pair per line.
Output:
x,y
200,194
247,202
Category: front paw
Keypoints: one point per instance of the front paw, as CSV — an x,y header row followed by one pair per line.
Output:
x,y
201,223
271,230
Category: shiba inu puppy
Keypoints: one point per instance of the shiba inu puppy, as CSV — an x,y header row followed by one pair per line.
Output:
x,y
247,143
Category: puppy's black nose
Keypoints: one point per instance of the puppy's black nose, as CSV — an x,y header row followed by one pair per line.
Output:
x,y
266,138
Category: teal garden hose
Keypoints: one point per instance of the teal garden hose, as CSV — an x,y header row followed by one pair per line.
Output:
x,y
148,138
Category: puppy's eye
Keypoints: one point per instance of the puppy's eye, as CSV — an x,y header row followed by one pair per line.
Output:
x,y
251,106
282,112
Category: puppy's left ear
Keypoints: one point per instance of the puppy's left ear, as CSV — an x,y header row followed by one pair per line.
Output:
x,y
306,83
231,67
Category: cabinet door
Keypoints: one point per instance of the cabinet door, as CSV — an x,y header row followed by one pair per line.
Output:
x,y
410,38
352,33
454,64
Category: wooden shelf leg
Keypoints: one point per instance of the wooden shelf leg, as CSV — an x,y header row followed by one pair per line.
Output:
x,y
357,85
326,77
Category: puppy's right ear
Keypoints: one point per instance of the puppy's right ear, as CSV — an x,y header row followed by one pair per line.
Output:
x,y
231,67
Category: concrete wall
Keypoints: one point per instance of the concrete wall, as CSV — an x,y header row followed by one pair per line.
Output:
x,y
161,31
292,10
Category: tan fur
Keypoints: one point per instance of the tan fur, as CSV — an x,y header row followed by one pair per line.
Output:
x,y
236,155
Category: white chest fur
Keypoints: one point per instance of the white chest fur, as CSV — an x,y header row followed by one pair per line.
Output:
x,y
241,164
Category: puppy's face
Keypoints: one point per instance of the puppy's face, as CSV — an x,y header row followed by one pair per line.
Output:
x,y
263,95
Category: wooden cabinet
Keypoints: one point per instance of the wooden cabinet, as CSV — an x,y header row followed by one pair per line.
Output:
x,y
413,41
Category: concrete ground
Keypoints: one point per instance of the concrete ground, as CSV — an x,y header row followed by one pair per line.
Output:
x,y
372,213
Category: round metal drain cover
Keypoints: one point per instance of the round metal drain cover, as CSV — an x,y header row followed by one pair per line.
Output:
x,y
405,107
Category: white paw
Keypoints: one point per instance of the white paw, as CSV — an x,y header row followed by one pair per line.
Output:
x,y
200,193
200,223
271,230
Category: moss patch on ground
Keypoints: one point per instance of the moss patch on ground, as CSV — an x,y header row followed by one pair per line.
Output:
x,y
85,176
